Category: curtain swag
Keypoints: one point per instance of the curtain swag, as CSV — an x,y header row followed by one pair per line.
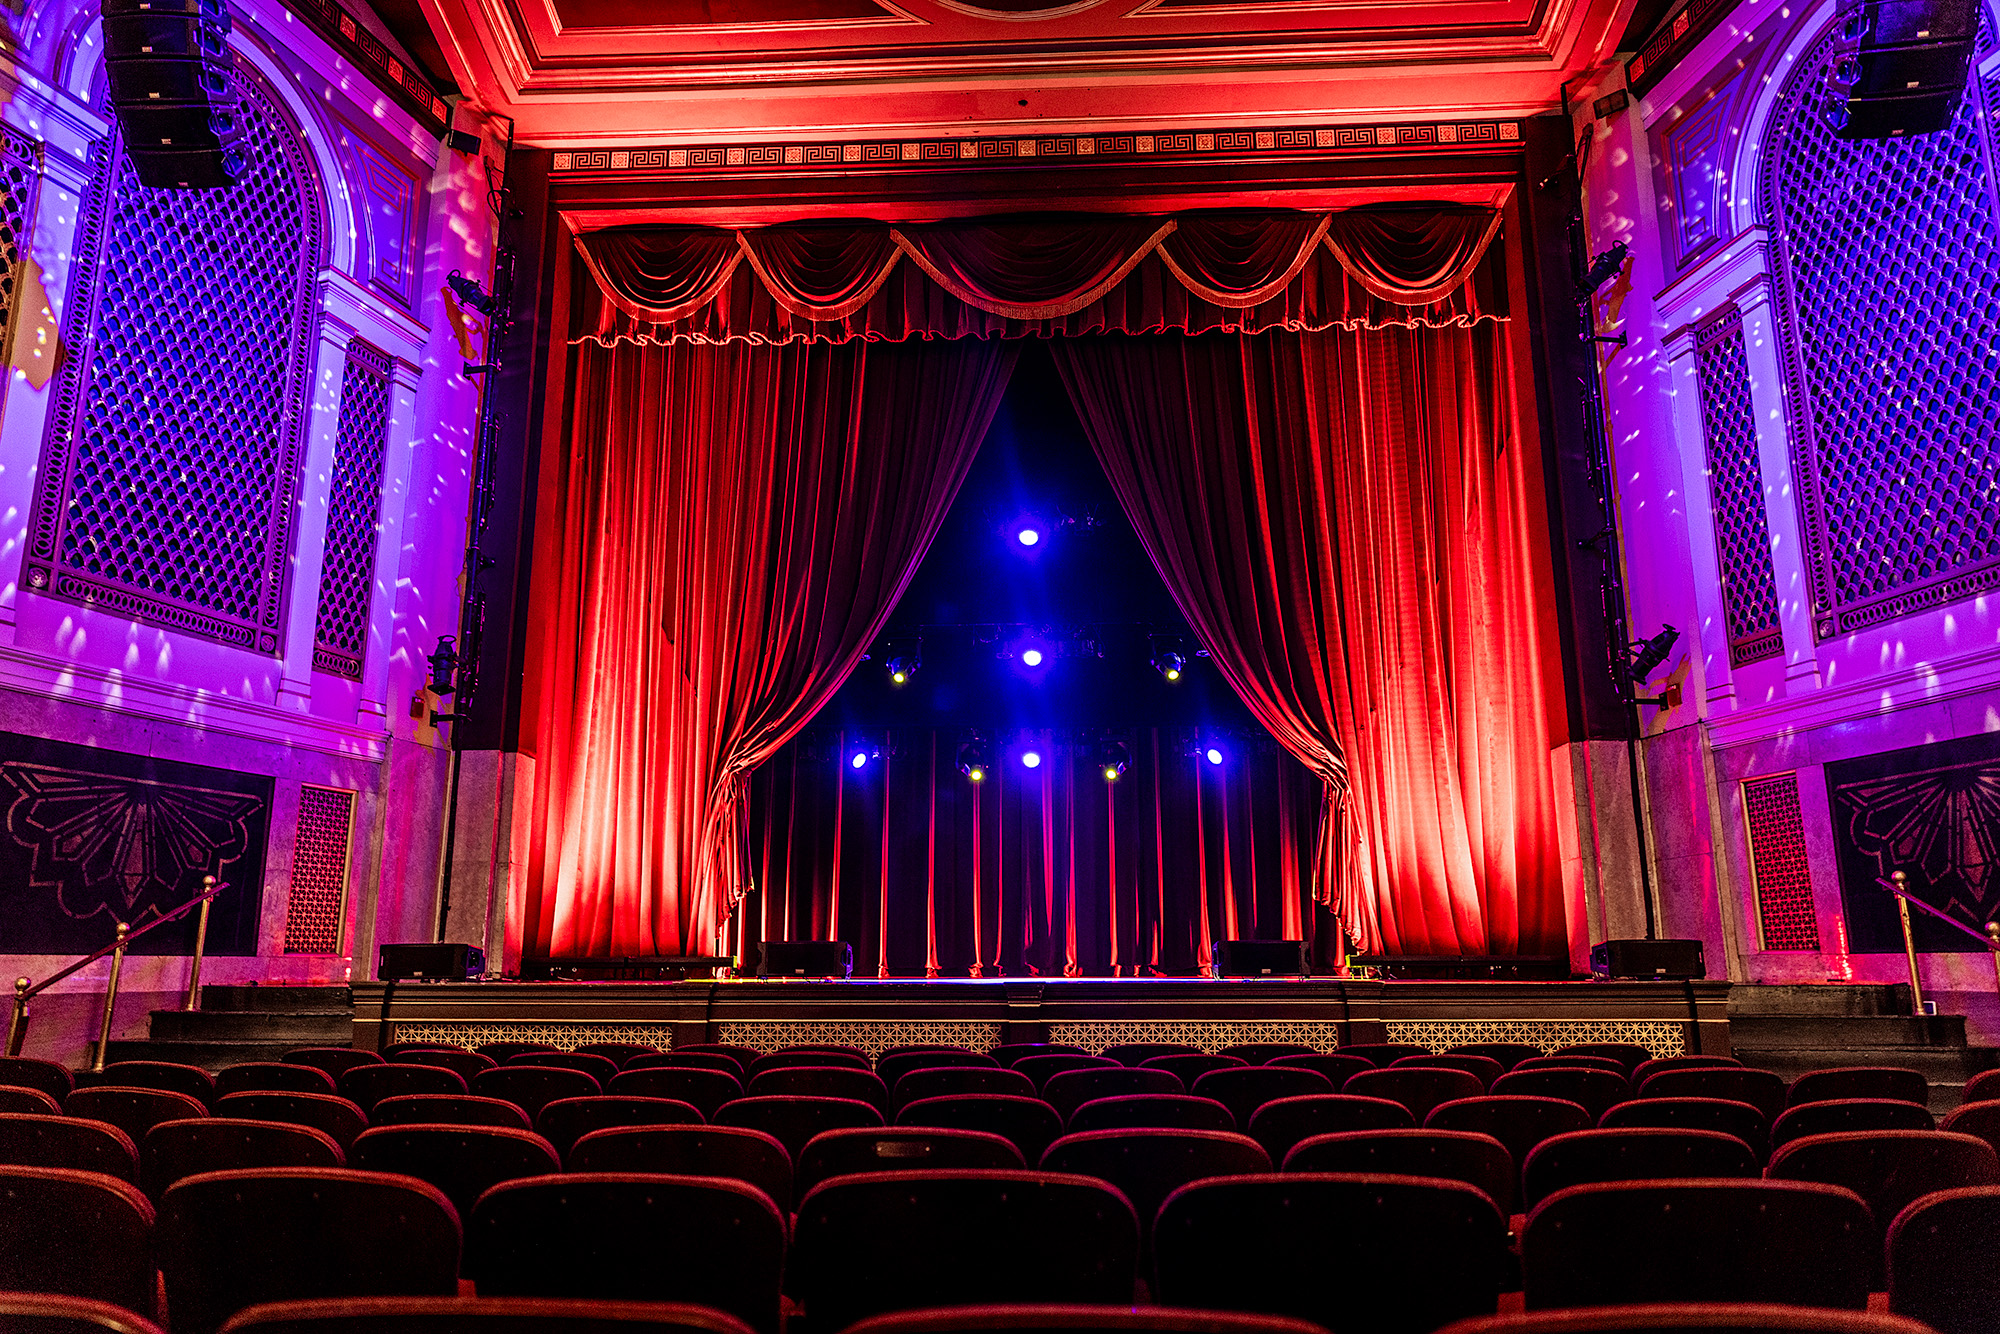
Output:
x,y
1042,276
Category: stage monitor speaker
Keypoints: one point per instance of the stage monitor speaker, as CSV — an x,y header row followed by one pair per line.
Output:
x,y
173,91
1675,959
807,958
1260,958
1898,66
430,963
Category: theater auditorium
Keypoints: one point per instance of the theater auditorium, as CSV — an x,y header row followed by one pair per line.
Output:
x,y
1000,667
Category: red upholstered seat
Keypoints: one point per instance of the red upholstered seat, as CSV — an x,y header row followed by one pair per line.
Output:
x,y
1731,1118
1381,1053
1030,1123
1711,1241
821,1081
46,1140
533,1087
1833,1117
687,1060
1760,1088
1596,1091
1982,1087
366,1085
568,1120
133,1110
171,1076
462,1161
482,1315
448,1109
79,1234
599,1068
1337,1069
1418,1087
395,1049
1691,1318
1977,1118
1262,1053
1859,1081
1138,1053
174,1150
1188,1068
336,1061
833,1153
1629,1055
1152,1111
1279,1125
940,1081
465,1064
28,1072
1518,1122
1071,1089
46,1313
1042,1068
1244,1090
1604,1063
1587,1156
702,1089
1940,1260
1149,1165
1647,1069
228,1240
1056,1318
741,1055
273,1077
1483,1068
794,1121
1888,1169
340,1118
502,1052
749,1156
1479,1161
706,1240
1508,1054
905,1240
1351,1252
779,1060
618,1052
16,1101
1009,1052
893,1065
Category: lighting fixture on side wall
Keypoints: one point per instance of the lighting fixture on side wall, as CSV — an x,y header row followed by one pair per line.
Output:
x,y
1648,654
470,293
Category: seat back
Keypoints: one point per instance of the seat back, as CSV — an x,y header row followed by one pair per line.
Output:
x,y
1042,1068
1738,1083
907,1240
448,1109
28,1072
1244,1090
1337,1069
749,1156
1417,1087
1381,1053
1353,1252
1693,1318
794,1121
46,1140
1190,1067
1647,1069
1587,1156
1262,1053
336,1061
1280,1125
779,1060
1008,1053
705,1090
1478,1160
1604,1063
1031,1124
338,1117
273,1077
894,1065
943,1081
1136,1054
1731,1118
171,1076
1483,1068
533,1087
835,1153
686,1060
1517,1121
485,1315
1629,1055
599,1068
132,1110
1982,1087
228,1240
1859,1081
1508,1054
741,1055
366,1085
465,1064
706,1240
462,1161
1596,1091
1071,1089
1698,1241
28,1102
1888,1169
175,1150
1148,1165
820,1081
502,1052
1940,1252
1976,1118
1833,1117
1151,1111
567,1120
47,1313
80,1234
618,1052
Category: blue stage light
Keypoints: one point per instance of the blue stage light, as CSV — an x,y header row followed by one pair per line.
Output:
x,y
1031,759
1031,657
1213,755
1028,535
860,760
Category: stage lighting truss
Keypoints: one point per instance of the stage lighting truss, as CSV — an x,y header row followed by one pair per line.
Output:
x,y
858,755
1029,532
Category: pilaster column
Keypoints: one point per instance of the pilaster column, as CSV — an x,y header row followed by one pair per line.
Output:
x,y
1774,458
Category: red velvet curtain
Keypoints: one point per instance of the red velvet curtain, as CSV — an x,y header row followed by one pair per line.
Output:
x,y
1042,872
737,523
1346,519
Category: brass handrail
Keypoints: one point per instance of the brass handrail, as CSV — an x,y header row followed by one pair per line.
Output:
x,y
25,990
1897,883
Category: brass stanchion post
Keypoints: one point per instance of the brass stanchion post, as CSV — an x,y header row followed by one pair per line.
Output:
x,y
193,1001
110,1000
1993,934
1909,943
17,1024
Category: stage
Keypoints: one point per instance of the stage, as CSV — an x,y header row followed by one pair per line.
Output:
x,y
1667,1018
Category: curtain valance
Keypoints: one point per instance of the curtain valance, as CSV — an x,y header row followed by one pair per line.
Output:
x,y
1046,276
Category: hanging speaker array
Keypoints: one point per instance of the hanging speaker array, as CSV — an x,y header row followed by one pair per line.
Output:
x,y
1899,66
173,90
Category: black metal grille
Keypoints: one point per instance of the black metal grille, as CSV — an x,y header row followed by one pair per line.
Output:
x,y
1736,490
173,455
354,510
1888,257
319,870
20,169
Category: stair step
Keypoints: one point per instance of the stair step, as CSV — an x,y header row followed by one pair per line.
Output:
x,y
1798,1030
292,999
1828,1000
301,1028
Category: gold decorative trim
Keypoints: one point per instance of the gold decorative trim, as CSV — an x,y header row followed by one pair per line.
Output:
x,y
1660,1037
873,1037
1208,1036
567,1036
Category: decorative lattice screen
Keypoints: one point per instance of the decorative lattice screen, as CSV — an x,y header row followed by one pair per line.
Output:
x,y
1778,863
319,870
172,462
1888,260
1736,491
354,510
20,170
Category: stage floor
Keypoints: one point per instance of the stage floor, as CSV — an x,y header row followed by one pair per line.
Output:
x,y
1668,1018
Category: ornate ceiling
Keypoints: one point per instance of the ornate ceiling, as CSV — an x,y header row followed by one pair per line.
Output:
x,y
606,73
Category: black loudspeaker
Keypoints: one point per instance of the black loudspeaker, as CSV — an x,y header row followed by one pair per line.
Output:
x,y
1260,958
173,91
1899,66
1676,959
430,963
807,958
